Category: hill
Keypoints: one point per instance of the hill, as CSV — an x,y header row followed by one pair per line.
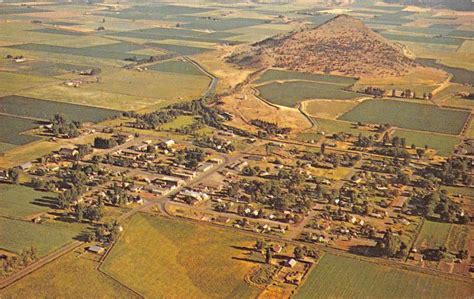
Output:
x,y
342,45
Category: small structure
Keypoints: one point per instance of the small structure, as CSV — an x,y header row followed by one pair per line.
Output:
x,y
68,152
96,249
222,219
25,166
291,263
168,143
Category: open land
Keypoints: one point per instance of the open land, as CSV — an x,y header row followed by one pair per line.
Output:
x,y
366,279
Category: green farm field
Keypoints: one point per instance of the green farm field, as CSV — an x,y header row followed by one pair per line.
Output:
x,y
18,201
433,234
179,122
159,257
443,144
408,115
458,238
42,109
361,279
11,129
289,94
329,126
176,66
69,276
17,235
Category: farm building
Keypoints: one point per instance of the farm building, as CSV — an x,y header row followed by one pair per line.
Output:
x,y
96,249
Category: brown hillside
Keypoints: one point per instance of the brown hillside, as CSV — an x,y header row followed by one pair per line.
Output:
x,y
342,45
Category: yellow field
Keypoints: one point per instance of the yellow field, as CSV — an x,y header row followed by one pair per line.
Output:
x,y
86,96
159,257
327,109
69,276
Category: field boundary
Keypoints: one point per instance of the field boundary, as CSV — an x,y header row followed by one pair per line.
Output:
x,y
101,262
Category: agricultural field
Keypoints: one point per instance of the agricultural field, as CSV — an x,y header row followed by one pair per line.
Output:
x,y
41,109
179,122
12,82
18,201
17,235
161,86
289,94
461,76
443,144
70,274
329,126
177,67
361,279
458,238
12,129
184,252
330,109
433,234
408,115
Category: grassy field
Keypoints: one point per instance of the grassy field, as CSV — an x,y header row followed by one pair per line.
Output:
x,y
160,257
443,144
327,109
177,67
458,238
329,126
12,127
409,116
68,276
433,234
11,82
291,93
461,76
179,122
18,201
360,279
17,235
95,98
170,87
30,107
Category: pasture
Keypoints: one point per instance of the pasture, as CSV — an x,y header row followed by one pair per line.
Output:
x,y
408,115
66,277
12,127
160,257
461,76
443,144
327,108
458,238
166,86
177,123
42,109
176,67
361,279
433,234
17,235
329,126
291,93
18,201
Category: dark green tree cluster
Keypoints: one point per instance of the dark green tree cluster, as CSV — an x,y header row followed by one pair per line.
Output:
x,y
61,127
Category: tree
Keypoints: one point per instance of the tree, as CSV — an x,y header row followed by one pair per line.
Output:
x,y
298,252
268,255
14,175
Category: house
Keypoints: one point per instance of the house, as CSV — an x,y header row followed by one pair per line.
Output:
x,y
276,248
26,166
68,152
291,263
204,167
124,137
222,219
168,143
96,249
